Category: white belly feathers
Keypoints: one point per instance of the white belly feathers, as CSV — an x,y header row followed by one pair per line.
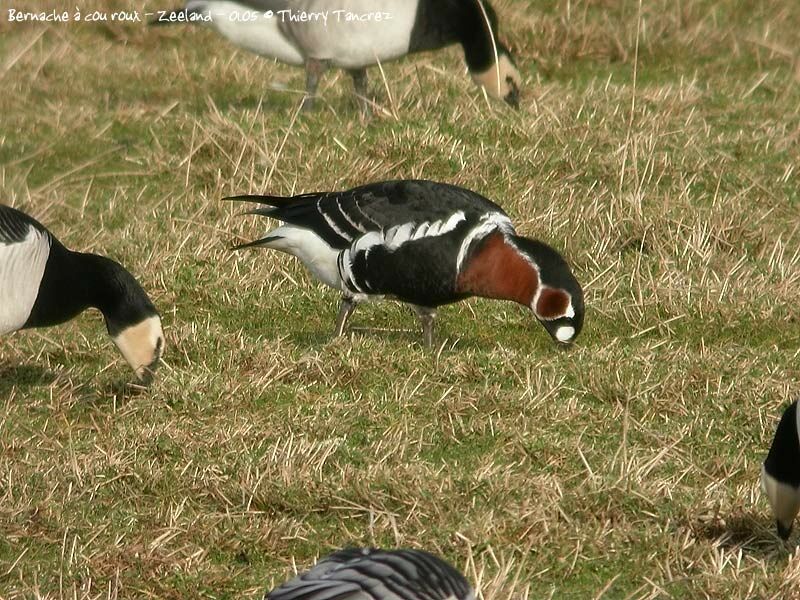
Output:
x,y
350,34
249,29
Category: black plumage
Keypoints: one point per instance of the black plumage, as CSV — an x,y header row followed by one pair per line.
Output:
x,y
780,473
783,459
424,243
340,217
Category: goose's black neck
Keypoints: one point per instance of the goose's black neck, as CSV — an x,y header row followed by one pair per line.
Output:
x,y
440,23
783,460
75,281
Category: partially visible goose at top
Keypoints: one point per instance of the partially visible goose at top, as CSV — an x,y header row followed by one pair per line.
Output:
x,y
423,243
42,283
373,574
780,473
332,37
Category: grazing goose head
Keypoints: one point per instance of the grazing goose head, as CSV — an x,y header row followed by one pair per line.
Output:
x,y
780,473
131,319
527,271
141,346
557,301
489,61
501,79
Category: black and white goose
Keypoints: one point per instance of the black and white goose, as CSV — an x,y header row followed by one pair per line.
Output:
x,y
332,36
780,473
372,574
423,243
42,283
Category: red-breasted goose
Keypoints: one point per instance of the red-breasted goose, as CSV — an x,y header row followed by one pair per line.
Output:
x,y
423,243
780,473
373,574
356,34
42,283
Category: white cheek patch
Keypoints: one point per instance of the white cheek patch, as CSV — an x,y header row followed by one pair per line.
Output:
x,y
783,498
565,333
141,345
496,78
570,313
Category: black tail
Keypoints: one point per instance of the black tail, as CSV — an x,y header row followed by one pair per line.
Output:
x,y
302,210
276,201
272,201
173,17
259,242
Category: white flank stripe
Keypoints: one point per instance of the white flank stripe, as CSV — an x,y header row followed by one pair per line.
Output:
x,y
453,222
422,231
366,216
332,223
355,225
488,223
346,273
367,241
391,239
21,269
398,235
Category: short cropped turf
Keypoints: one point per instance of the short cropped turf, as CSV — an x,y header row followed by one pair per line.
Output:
x,y
657,147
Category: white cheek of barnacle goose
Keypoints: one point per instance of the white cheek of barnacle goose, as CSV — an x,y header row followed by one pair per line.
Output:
x,y
141,346
502,80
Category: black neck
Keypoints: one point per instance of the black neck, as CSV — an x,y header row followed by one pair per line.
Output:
x,y
74,281
440,23
783,460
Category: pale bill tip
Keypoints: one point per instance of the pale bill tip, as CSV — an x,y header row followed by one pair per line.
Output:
x,y
565,333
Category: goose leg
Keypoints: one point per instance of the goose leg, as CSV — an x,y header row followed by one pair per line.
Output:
x,y
360,84
426,316
314,70
346,308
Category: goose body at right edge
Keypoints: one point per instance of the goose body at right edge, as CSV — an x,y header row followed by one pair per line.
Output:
x,y
780,473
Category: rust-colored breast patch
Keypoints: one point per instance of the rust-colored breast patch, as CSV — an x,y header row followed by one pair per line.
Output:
x,y
498,270
552,303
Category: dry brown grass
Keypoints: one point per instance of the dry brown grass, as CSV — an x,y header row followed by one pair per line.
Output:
x,y
626,467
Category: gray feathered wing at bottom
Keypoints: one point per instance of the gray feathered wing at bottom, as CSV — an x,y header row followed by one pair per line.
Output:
x,y
371,574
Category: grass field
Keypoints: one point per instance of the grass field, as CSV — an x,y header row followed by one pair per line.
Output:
x,y
658,147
